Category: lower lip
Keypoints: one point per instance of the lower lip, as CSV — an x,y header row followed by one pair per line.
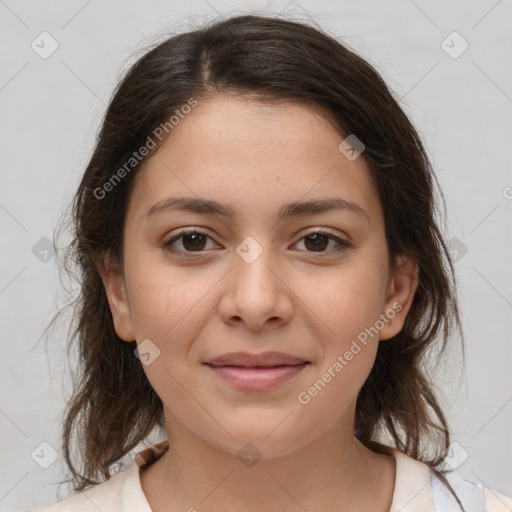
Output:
x,y
257,378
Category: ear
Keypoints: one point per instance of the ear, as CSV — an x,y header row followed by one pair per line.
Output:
x,y
402,286
115,287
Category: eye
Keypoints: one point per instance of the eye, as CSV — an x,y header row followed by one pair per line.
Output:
x,y
195,241
192,241
319,240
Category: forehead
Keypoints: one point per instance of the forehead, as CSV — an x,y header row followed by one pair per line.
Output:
x,y
254,157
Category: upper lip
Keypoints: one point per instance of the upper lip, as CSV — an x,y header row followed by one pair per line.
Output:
x,y
251,360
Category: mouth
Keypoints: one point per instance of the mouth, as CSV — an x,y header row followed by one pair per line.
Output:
x,y
257,377
260,360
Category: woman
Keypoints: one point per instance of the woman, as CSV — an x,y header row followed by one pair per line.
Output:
x,y
262,277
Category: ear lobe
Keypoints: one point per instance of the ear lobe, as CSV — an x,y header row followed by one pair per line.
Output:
x,y
401,290
115,288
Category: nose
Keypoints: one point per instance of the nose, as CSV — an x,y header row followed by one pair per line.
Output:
x,y
256,292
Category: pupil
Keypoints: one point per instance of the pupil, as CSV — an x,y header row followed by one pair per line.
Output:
x,y
319,238
196,240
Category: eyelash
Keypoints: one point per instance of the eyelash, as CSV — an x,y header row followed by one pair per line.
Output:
x,y
343,244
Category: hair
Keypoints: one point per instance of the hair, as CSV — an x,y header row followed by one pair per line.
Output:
x,y
267,59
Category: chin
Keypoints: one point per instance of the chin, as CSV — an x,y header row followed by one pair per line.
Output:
x,y
268,439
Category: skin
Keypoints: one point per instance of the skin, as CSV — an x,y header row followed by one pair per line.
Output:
x,y
293,299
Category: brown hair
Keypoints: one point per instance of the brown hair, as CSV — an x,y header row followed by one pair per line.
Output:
x,y
113,405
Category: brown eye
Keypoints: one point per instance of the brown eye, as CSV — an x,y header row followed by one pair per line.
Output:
x,y
191,241
318,241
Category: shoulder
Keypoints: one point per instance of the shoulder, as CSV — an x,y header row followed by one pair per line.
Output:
x,y
474,497
417,487
119,493
106,496
496,501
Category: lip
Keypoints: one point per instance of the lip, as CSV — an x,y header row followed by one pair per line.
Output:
x,y
256,371
259,378
246,359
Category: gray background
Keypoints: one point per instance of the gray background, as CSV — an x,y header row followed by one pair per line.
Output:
x,y
51,109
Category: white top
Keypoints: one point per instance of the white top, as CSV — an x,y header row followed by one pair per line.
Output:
x,y
123,491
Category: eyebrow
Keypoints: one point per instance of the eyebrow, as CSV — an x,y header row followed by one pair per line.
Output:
x,y
296,208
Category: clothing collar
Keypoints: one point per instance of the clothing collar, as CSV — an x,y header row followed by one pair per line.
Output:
x,y
412,491
132,496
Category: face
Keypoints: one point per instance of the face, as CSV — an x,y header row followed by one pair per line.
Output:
x,y
315,285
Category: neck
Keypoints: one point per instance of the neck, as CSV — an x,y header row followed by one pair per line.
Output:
x,y
332,472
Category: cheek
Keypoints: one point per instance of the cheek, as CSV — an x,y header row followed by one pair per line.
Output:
x,y
167,303
332,396
170,310
344,301
349,313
